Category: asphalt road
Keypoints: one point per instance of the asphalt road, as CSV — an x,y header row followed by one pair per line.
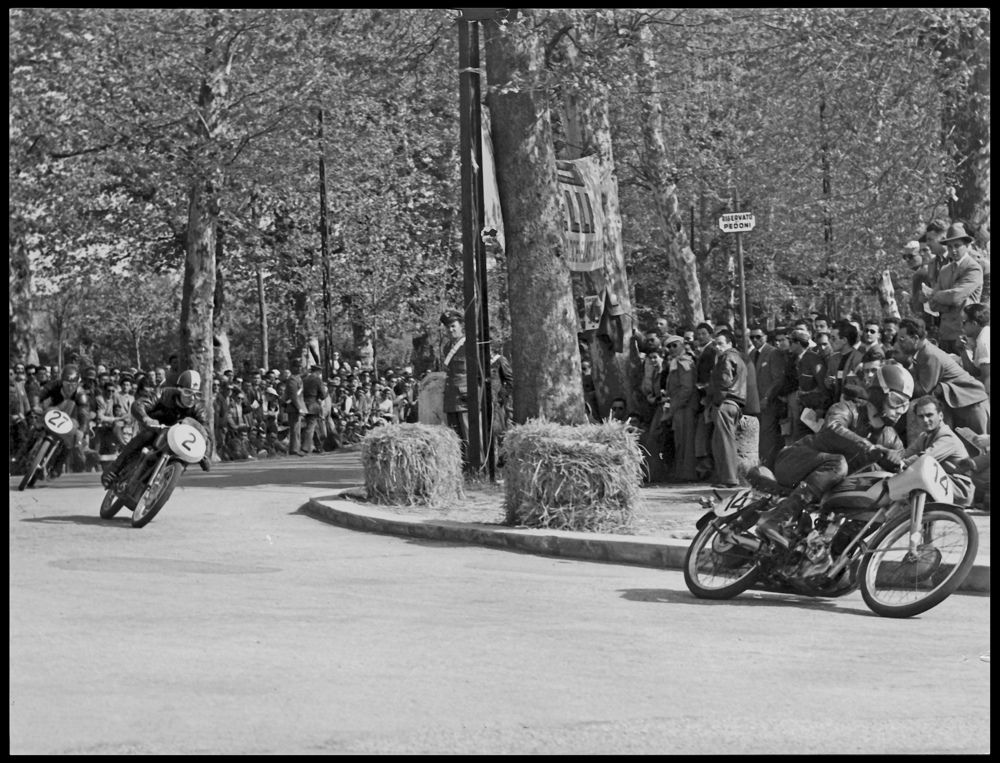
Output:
x,y
235,624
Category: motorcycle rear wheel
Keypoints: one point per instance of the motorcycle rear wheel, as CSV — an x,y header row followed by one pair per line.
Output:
x,y
895,583
716,569
34,466
156,494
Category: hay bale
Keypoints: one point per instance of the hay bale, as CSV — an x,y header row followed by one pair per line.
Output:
x,y
413,464
583,478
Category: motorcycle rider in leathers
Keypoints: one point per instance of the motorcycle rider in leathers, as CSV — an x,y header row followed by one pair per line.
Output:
x,y
66,393
856,432
153,413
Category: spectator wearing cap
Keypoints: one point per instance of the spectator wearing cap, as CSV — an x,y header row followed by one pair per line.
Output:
x,y
959,283
456,408
313,392
269,410
770,366
681,406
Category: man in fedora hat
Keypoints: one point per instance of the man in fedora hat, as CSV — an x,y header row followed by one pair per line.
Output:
x,y
959,283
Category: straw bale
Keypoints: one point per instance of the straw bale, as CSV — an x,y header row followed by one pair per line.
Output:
x,y
413,465
583,478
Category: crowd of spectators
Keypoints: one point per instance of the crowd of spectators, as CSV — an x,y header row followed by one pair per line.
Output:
x,y
694,384
258,412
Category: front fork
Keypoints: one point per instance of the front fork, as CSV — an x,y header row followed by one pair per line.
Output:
x,y
917,500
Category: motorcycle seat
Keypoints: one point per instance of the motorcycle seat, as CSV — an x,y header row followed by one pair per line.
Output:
x,y
761,478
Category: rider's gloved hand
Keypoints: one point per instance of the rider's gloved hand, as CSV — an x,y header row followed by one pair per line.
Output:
x,y
888,459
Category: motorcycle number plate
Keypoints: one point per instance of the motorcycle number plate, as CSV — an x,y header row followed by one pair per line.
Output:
x,y
733,503
187,443
58,421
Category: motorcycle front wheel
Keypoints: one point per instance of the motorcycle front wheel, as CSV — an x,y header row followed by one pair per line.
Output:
x,y
35,465
715,568
156,494
111,504
898,583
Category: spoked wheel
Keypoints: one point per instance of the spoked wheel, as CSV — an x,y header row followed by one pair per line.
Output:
x,y
896,583
35,466
156,494
718,568
111,504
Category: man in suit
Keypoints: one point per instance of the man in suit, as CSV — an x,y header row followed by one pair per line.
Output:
x,y
727,395
959,283
769,365
313,392
456,403
937,373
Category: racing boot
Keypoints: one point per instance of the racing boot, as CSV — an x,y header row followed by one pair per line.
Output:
x,y
773,523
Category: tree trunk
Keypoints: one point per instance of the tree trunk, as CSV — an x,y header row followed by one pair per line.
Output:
x,y
221,356
262,312
588,131
324,246
19,334
966,119
545,355
196,331
679,253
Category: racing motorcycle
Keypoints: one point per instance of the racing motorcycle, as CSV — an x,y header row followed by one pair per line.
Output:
x,y
59,431
147,481
898,536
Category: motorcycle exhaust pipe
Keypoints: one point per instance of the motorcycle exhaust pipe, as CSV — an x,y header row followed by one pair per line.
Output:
x,y
752,544
743,541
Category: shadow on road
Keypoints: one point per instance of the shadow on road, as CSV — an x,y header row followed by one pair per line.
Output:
x,y
748,599
121,522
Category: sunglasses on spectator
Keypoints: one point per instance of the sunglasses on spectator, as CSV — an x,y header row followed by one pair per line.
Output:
x,y
756,336
617,408
872,331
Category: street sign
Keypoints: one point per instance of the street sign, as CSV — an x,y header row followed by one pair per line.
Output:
x,y
737,222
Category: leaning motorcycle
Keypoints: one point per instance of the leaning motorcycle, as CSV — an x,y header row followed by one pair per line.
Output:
x,y
147,481
899,537
58,432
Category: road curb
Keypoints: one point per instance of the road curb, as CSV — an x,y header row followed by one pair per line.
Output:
x,y
662,553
